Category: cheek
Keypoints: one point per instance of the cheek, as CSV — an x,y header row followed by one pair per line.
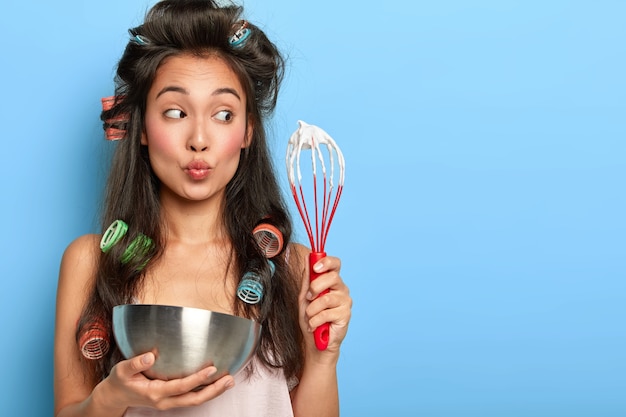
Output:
x,y
236,140
160,139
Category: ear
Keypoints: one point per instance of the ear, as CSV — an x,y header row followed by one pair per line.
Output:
x,y
249,133
144,138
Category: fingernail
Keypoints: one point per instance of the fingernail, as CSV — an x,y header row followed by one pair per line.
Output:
x,y
309,296
146,359
318,267
211,372
230,384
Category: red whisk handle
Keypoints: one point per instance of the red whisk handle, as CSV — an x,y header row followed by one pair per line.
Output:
x,y
322,333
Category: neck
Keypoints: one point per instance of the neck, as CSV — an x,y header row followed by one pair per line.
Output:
x,y
193,222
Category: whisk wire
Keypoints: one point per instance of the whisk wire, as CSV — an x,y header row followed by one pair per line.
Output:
x,y
323,149
304,213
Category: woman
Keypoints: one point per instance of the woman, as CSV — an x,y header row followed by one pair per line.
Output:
x,y
190,179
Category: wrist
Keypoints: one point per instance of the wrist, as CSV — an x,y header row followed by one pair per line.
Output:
x,y
324,358
103,398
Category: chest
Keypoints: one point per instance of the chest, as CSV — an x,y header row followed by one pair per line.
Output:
x,y
191,278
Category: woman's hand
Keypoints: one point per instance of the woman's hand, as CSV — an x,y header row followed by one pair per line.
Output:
x,y
333,307
126,386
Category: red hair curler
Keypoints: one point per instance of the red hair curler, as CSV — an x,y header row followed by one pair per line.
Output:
x,y
113,130
94,342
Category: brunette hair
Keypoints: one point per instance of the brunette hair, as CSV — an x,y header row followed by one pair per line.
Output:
x,y
201,28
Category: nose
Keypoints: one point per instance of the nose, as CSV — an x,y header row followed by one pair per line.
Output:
x,y
198,149
198,139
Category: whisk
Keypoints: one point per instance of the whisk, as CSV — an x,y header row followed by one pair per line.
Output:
x,y
318,213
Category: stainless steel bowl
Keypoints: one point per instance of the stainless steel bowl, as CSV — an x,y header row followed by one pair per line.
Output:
x,y
185,340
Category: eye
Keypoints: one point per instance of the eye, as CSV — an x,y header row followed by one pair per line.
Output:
x,y
224,115
175,114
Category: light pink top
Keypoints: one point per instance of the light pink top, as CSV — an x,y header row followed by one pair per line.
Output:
x,y
264,394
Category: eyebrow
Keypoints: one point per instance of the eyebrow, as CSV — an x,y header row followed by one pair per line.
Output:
x,y
223,90
172,88
226,90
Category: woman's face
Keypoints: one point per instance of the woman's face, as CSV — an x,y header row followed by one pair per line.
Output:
x,y
195,126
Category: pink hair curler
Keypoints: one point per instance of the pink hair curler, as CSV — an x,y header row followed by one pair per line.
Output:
x,y
269,239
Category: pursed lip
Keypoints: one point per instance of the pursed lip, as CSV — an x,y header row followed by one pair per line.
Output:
x,y
198,170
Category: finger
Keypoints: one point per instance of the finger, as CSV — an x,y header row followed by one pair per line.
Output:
x,y
198,396
336,315
329,281
336,297
338,318
191,382
327,263
327,310
135,365
216,388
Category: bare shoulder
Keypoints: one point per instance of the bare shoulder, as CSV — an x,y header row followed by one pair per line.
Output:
x,y
83,248
77,271
80,258
298,256
299,252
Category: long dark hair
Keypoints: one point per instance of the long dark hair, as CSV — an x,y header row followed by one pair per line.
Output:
x,y
202,28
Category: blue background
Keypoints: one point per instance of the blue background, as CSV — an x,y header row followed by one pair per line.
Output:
x,y
483,223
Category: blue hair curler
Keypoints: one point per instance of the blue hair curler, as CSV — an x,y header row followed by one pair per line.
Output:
x,y
250,289
140,40
240,36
